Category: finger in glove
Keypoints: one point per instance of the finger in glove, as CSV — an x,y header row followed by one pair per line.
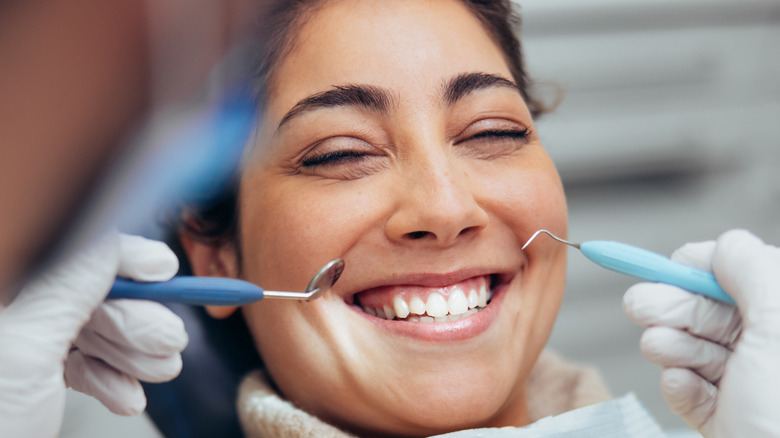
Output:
x,y
747,269
669,347
697,255
689,396
142,326
120,393
142,259
145,367
651,304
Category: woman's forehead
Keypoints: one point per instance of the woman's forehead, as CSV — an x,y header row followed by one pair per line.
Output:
x,y
409,48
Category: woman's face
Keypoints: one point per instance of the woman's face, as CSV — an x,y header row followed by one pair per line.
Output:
x,y
395,139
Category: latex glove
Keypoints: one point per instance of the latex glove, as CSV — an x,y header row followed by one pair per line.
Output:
x,y
123,341
721,363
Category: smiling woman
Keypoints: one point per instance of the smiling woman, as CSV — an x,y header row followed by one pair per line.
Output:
x,y
398,136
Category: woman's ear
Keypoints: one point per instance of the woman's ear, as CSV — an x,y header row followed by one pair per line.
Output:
x,y
211,261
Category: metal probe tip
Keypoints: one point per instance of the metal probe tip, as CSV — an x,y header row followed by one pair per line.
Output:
x,y
575,245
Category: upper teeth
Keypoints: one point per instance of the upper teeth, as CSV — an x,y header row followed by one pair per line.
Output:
x,y
435,307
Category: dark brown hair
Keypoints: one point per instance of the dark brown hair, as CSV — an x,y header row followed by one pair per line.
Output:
x,y
216,222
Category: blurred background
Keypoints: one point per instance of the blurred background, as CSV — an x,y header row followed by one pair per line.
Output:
x,y
667,133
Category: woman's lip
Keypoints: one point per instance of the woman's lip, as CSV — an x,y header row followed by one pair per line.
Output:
x,y
433,280
458,330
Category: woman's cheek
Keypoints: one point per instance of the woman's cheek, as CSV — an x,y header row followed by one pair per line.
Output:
x,y
529,197
305,222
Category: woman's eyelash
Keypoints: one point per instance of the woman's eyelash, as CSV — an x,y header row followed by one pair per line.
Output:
x,y
332,158
518,134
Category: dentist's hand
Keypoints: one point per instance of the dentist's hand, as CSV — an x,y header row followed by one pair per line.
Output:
x,y
721,364
58,332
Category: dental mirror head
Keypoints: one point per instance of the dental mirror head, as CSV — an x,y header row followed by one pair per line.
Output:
x,y
322,281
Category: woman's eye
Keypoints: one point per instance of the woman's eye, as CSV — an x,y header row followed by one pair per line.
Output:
x,y
486,142
503,134
342,158
335,157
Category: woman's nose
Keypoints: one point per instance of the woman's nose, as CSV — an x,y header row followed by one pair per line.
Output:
x,y
436,205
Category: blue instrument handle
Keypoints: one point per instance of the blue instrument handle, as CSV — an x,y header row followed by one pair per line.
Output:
x,y
650,266
198,291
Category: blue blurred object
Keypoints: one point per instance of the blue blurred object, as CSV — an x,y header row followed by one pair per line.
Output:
x,y
191,156
207,152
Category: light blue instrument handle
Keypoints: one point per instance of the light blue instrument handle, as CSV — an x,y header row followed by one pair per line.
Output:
x,y
650,266
198,291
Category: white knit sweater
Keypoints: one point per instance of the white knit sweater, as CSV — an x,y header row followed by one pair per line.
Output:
x,y
554,386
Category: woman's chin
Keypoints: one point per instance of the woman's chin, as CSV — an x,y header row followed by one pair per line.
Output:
x,y
442,392
466,405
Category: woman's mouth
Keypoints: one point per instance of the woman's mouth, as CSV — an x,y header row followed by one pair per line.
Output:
x,y
411,303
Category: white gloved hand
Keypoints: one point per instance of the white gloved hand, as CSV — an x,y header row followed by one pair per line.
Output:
x,y
49,335
721,364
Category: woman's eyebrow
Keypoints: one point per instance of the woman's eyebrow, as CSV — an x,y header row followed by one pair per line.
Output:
x,y
465,83
366,96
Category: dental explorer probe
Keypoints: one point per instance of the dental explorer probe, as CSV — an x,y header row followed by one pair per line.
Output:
x,y
202,291
647,265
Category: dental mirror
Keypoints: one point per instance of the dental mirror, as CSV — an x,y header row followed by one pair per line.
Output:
x,y
203,291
